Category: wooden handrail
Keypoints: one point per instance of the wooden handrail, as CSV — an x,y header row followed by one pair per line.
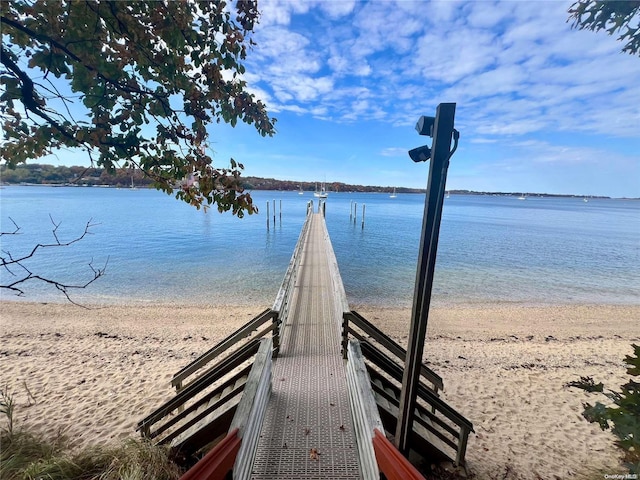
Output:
x,y
221,391
380,337
225,344
228,364
391,462
390,367
216,464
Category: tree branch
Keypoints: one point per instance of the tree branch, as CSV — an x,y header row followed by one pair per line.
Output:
x,y
8,261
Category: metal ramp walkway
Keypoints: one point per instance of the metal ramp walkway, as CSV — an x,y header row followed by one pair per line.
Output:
x,y
307,431
306,390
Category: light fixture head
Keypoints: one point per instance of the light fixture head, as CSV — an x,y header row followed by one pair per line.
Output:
x,y
425,125
420,154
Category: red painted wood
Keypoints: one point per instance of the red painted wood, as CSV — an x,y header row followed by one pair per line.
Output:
x,y
218,462
391,462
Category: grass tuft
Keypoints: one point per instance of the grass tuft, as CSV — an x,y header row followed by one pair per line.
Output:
x,y
25,455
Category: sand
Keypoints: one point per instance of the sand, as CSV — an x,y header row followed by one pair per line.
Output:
x,y
93,374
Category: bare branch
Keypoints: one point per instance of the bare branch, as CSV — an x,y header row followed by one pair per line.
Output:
x,y
15,232
28,275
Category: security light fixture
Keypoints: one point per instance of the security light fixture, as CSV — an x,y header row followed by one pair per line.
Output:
x,y
425,126
420,154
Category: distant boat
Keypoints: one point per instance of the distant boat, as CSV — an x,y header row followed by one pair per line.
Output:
x,y
448,195
393,195
300,192
322,193
522,197
585,200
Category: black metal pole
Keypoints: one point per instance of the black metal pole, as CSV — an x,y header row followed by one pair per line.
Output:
x,y
440,151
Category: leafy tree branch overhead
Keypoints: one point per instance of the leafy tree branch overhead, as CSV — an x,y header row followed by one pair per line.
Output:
x,y
134,84
621,17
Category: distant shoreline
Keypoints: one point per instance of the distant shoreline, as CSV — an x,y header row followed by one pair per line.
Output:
x,y
60,176
360,189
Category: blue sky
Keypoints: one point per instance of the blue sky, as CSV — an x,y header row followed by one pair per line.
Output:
x,y
540,107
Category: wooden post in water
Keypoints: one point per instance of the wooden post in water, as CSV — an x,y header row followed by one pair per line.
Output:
x,y
363,207
280,212
274,212
267,214
440,153
355,212
350,211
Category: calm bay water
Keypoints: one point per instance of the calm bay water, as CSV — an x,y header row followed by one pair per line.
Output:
x,y
492,249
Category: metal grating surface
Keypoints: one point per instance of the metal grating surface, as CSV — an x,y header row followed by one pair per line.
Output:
x,y
309,408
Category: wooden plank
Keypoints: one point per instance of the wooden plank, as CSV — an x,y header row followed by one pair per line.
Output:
x,y
225,344
188,444
422,441
206,413
226,366
393,347
393,399
200,403
393,369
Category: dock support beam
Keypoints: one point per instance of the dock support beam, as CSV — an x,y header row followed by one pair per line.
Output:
x,y
443,132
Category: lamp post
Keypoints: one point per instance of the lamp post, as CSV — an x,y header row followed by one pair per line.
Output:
x,y
441,129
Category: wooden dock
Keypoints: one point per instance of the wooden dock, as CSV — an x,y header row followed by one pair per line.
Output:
x,y
306,390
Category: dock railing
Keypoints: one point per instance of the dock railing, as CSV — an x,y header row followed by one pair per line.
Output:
x,y
441,425
251,410
340,296
245,333
435,421
210,392
283,298
237,450
364,411
355,325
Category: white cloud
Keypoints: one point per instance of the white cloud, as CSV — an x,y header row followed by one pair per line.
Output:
x,y
279,12
514,68
337,8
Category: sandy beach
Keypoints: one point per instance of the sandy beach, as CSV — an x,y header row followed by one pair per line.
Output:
x,y
93,374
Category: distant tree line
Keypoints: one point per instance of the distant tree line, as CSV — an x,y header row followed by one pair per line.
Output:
x,y
39,174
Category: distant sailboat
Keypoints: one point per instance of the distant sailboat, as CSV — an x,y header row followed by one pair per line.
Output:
x,y
300,192
585,199
522,197
393,195
448,194
322,193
